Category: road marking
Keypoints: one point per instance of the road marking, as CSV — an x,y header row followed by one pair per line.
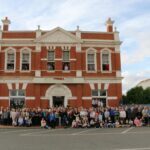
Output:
x,y
127,130
81,133
136,148
41,132
5,132
78,133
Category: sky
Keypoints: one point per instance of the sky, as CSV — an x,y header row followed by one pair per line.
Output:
x,y
132,19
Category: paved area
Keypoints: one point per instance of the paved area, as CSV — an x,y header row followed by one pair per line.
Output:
x,y
75,139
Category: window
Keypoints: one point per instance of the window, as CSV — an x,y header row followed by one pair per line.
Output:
x,y
10,60
25,64
99,92
99,98
66,61
17,98
94,92
50,62
25,59
91,62
106,61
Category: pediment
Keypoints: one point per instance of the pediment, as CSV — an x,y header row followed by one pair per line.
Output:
x,y
58,35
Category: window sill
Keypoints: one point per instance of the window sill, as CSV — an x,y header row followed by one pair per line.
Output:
x,y
106,71
25,71
91,71
66,71
51,71
10,71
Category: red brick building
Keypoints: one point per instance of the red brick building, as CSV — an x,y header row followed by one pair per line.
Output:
x,y
59,67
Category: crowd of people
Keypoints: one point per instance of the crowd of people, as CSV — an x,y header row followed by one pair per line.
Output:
x,y
99,117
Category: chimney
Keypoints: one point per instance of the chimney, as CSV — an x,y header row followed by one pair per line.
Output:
x,y
6,23
109,25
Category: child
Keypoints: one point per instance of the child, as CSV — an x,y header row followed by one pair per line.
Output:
x,y
137,122
117,124
74,124
43,124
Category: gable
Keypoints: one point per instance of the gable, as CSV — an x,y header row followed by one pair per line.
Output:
x,y
58,35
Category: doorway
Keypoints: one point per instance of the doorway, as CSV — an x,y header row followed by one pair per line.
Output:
x,y
58,101
17,102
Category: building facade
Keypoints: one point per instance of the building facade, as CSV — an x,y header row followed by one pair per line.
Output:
x,y
59,67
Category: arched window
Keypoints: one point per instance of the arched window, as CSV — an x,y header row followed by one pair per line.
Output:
x,y
106,60
10,59
91,62
25,59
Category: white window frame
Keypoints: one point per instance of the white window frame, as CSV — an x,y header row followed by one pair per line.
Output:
x,y
100,96
17,96
26,50
91,51
63,61
6,57
108,51
51,61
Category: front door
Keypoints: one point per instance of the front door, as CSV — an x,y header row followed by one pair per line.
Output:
x,y
58,101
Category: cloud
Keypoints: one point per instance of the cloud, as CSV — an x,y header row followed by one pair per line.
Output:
x,y
136,39
131,80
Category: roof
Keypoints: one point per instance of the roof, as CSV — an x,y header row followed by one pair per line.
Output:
x,y
145,83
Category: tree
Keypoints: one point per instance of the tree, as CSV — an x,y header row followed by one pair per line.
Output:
x,y
147,95
137,95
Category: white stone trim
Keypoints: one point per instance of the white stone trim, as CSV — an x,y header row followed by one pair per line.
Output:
x,y
78,73
116,36
73,98
4,97
66,47
91,51
38,73
72,80
78,47
44,59
43,98
25,50
9,86
38,47
6,52
106,86
58,90
38,32
66,71
118,73
78,33
0,33
92,86
17,86
24,86
50,47
99,86
87,98
117,48
111,97
30,98
73,59
59,59
64,36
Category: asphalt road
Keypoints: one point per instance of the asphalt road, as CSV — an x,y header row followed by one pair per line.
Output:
x,y
75,139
